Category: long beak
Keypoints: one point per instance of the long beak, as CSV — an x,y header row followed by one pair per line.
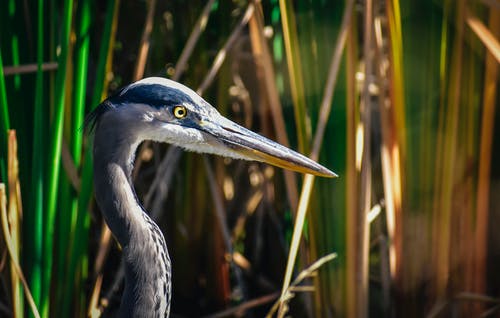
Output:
x,y
251,146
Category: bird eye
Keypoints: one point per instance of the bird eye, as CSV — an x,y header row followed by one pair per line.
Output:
x,y
180,112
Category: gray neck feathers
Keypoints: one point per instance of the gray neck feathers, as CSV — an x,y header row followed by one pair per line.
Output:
x,y
113,164
147,264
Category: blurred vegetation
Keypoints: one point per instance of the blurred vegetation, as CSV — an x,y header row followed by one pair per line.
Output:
x,y
397,97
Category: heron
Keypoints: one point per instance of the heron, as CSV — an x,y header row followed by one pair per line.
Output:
x,y
162,110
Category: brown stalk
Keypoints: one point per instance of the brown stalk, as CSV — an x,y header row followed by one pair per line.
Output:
x,y
266,76
220,211
485,151
145,41
220,214
464,202
28,68
198,28
94,310
362,227
391,107
12,253
352,175
221,55
486,36
10,223
103,251
141,65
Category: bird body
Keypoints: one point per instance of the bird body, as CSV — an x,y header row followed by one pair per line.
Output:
x,y
162,110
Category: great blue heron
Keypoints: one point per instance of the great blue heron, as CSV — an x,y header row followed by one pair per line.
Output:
x,y
162,110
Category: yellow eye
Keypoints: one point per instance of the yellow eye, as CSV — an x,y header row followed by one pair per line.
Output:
x,y
180,112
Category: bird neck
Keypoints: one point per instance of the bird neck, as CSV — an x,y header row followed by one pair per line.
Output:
x,y
147,263
114,190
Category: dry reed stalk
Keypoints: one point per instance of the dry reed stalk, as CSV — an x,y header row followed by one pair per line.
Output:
x,y
281,305
486,35
362,227
15,220
352,173
28,68
11,224
485,154
394,144
145,42
198,29
266,75
221,55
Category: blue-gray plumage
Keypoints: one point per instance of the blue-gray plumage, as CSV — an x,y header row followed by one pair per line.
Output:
x,y
162,110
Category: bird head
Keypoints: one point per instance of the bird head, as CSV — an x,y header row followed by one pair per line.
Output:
x,y
162,110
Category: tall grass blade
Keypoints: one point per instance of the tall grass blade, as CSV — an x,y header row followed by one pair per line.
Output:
x,y
78,253
14,42
80,85
34,225
67,226
4,118
443,226
294,65
54,159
